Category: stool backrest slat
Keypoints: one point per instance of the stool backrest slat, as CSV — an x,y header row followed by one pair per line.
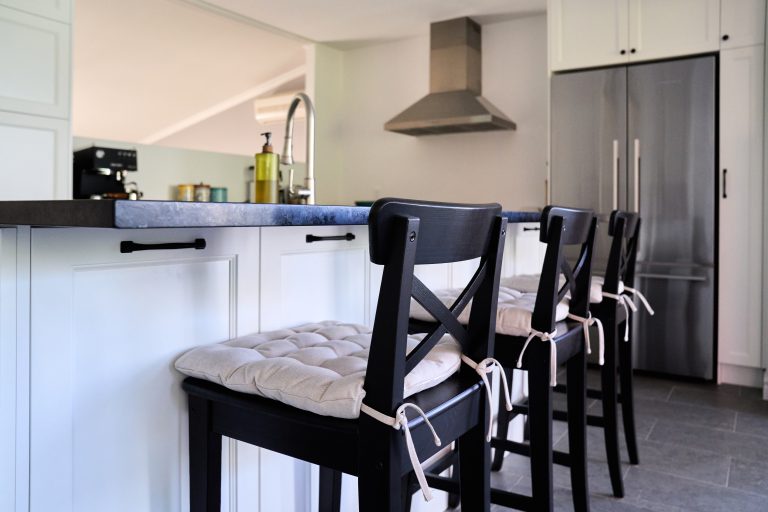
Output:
x,y
624,228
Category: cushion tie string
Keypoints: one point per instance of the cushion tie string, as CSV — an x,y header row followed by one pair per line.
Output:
x,y
639,295
544,336
401,421
586,323
483,368
627,304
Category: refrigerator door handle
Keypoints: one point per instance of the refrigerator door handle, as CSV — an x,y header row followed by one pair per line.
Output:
x,y
668,277
615,174
637,175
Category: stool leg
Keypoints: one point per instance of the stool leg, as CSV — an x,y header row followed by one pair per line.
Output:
x,y
379,482
475,466
502,424
204,458
330,490
627,399
610,399
577,430
540,418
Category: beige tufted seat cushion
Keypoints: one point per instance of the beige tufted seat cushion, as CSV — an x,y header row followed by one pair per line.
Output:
x,y
318,367
530,283
513,313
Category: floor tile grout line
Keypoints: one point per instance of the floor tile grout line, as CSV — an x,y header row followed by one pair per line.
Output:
x,y
669,395
728,472
650,430
735,422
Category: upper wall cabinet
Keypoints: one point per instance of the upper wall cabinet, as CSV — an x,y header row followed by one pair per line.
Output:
x,y
587,33
742,23
59,10
34,64
594,33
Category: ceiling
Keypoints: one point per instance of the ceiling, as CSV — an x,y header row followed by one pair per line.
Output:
x,y
154,71
354,22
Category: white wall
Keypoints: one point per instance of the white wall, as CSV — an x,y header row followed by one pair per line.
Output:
x,y
161,168
508,166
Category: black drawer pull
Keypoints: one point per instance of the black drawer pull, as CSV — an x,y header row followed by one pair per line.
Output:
x,y
126,247
312,238
531,229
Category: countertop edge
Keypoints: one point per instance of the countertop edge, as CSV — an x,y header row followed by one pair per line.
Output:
x,y
123,214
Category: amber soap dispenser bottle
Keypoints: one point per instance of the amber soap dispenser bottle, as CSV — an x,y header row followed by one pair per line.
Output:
x,y
266,173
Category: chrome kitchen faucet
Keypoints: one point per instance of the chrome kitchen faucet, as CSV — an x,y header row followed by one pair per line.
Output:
x,y
306,193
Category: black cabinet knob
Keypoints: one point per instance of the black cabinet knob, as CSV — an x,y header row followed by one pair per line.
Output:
x,y
726,37
632,50
623,52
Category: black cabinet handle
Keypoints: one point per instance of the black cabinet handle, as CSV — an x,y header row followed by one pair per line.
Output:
x,y
312,238
632,50
531,229
725,183
726,37
623,52
128,246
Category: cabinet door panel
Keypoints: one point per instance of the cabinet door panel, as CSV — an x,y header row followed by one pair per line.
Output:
x,y
742,23
587,33
107,408
741,155
309,282
59,10
35,155
660,28
34,64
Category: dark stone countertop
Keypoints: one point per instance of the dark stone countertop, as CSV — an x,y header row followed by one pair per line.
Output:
x,y
174,214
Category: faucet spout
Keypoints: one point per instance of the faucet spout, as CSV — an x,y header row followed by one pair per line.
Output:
x,y
286,158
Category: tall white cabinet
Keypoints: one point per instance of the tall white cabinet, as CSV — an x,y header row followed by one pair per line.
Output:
x,y
741,206
35,63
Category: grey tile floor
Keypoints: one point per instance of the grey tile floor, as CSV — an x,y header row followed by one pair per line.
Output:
x,y
702,448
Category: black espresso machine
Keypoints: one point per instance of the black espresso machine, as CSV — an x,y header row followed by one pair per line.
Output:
x,y
101,173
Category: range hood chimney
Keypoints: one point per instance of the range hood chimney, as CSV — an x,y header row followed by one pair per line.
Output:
x,y
454,104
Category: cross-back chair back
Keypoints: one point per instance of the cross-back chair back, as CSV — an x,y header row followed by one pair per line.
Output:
x,y
624,229
561,227
406,233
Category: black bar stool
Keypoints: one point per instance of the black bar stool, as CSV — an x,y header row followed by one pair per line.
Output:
x,y
262,389
550,342
610,305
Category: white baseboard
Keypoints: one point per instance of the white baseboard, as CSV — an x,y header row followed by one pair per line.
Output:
x,y
741,375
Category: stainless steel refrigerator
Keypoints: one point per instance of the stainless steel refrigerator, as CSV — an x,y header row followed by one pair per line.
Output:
x,y
643,138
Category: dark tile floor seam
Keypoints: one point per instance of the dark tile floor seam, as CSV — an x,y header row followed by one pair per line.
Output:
x,y
669,395
728,472
650,430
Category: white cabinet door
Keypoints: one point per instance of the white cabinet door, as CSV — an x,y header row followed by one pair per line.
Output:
x,y
669,28
34,64
586,33
308,282
742,23
741,221
60,10
36,158
108,416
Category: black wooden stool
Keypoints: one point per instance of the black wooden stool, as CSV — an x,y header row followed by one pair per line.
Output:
x,y
381,446
558,343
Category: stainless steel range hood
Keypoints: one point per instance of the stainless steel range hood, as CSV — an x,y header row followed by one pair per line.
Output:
x,y
454,104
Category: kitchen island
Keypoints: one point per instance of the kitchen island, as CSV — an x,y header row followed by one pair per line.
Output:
x,y
92,416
